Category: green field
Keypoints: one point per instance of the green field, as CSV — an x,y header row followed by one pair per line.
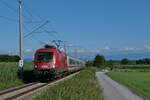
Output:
x,y
8,74
138,81
83,86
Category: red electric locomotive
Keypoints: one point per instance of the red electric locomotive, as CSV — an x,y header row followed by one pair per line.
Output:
x,y
51,62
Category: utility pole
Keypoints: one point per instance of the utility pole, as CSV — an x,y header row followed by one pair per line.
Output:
x,y
20,40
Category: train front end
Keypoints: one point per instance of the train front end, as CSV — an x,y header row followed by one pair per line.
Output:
x,y
44,62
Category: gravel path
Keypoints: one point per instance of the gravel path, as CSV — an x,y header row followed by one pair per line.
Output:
x,y
114,91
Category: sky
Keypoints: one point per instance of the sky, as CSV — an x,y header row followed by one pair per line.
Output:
x,y
93,26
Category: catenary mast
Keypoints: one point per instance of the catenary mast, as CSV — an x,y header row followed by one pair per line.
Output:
x,y
21,62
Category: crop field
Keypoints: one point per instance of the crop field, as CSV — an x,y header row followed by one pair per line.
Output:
x,y
83,86
8,74
137,81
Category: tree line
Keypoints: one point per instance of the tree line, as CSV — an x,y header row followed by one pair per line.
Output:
x,y
100,62
9,58
145,61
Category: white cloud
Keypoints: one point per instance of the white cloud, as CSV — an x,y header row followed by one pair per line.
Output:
x,y
28,50
147,47
107,48
128,49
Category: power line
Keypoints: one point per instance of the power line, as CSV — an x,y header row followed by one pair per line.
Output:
x,y
15,20
33,15
9,19
36,29
39,41
29,20
50,32
12,8
8,6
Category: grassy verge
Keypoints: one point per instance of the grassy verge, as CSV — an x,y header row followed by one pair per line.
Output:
x,y
8,74
83,86
137,81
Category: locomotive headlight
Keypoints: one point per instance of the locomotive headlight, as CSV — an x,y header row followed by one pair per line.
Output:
x,y
35,66
53,66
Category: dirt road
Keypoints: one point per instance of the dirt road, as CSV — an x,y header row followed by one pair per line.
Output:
x,y
114,91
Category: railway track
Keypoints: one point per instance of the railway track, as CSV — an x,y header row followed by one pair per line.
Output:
x,y
16,88
25,91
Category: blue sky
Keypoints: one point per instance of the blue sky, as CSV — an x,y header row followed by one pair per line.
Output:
x,y
96,25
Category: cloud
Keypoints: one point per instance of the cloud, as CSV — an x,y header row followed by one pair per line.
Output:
x,y
107,48
28,51
147,47
128,49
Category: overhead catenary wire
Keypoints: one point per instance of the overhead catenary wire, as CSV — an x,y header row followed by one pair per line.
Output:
x,y
32,16
13,9
16,20
39,41
52,33
8,6
39,18
35,16
29,19
28,10
36,29
9,19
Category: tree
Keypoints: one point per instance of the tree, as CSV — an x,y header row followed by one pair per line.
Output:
x,y
140,61
125,61
89,64
99,61
143,61
110,64
147,61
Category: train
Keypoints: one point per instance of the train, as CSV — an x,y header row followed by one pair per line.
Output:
x,y
50,62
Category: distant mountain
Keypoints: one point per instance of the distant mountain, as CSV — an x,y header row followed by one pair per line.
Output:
x,y
118,56
132,56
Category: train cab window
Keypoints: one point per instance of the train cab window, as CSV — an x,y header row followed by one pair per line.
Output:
x,y
44,56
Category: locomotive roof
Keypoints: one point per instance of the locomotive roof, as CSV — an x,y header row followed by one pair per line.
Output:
x,y
48,49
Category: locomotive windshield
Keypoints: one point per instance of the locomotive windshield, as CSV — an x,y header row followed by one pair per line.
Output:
x,y
44,56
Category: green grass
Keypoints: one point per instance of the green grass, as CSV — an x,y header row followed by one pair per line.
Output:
x,y
131,70
8,74
83,86
137,81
